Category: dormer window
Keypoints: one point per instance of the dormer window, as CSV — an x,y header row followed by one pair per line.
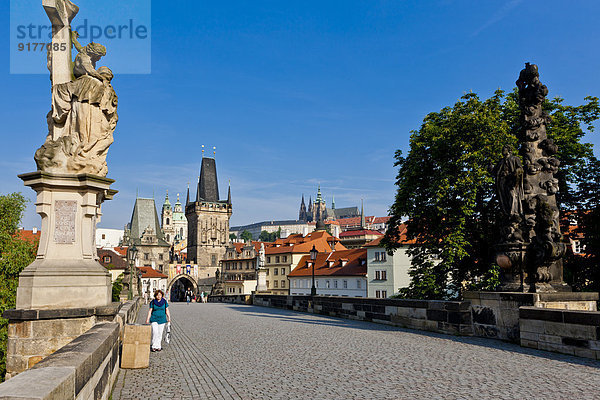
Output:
x,y
344,262
330,263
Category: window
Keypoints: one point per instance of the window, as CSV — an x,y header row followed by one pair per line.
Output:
x,y
335,284
284,258
106,259
103,236
282,284
214,260
168,221
384,294
275,271
268,260
160,257
276,259
267,284
248,265
327,284
383,256
376,256
282,271
168,238
381,275
378,294
275,284
358,284
381,294
345,284
146,256
293,283
267,272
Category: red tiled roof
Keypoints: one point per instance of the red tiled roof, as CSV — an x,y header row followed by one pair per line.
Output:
x,y
149,272
121,250
403,238
360,232
356,264
28,235
116,260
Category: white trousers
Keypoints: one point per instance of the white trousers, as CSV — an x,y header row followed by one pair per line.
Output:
x,y
157,334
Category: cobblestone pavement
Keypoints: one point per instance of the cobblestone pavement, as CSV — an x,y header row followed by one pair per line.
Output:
x,y
227,351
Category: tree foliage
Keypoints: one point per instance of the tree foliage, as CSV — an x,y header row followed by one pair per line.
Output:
x,y
269,236
246,236
15,255
446,190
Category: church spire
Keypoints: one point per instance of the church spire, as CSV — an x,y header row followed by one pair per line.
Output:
x,y
187,200
229,193
333,202
198,190
362,215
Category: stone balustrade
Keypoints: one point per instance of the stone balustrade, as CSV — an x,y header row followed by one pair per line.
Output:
x,y
453,317
85,368
562,331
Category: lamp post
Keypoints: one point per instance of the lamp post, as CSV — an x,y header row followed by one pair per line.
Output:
x,y
131,256
313,257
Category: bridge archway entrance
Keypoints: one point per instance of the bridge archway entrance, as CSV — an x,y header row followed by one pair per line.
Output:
x,y
179,285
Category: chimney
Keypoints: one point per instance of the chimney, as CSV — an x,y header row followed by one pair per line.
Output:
x,y
34,230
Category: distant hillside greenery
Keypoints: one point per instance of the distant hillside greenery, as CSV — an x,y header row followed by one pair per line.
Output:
x,y
446,191
15,255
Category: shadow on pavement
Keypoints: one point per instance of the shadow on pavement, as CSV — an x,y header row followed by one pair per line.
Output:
x,y
307,318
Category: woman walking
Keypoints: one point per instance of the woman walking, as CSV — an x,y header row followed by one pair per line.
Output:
x,y
158,316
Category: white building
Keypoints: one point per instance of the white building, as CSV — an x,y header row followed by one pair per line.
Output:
x,y
109,237
338,273
386,274
153,280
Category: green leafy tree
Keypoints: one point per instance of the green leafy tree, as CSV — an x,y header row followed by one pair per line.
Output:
x,y
270,236
232,236
246,236
446,191
15,255
117,286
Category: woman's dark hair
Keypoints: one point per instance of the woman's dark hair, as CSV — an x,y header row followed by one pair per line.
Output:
x,y
161,292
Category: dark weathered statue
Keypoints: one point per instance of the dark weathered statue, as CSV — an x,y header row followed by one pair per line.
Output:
x,y
532,246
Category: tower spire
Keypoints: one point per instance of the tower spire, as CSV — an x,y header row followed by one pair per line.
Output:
x,y
187,200
362,215
229,193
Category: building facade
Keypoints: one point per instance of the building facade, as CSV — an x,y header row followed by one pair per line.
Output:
x,y
109,237
208,219
386,273
145,233
238,268
339,273
283,256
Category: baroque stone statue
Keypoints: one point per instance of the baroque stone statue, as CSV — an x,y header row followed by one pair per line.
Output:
x,y
509,186
84,103
532,246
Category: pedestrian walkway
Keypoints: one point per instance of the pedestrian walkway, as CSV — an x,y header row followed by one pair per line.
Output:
x,y
228,351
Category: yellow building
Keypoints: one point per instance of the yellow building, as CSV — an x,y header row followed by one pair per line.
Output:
x,y
283,255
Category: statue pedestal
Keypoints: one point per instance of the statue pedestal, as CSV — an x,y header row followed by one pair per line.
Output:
x,y
66,272
496,314
261,280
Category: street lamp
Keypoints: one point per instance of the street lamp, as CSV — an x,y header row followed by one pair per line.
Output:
x,y
132,252
313,257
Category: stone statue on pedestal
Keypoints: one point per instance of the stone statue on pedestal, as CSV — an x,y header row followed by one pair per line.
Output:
x,y
84,106
532,246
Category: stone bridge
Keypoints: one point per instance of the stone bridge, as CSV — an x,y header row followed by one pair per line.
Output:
x,y
270,350
235,351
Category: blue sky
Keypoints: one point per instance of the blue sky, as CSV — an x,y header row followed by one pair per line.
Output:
x,y
293,93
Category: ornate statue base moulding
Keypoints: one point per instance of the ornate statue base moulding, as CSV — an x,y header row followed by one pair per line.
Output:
x,y
66,272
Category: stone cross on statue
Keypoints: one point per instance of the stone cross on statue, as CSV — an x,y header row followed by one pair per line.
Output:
x,y
61,13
